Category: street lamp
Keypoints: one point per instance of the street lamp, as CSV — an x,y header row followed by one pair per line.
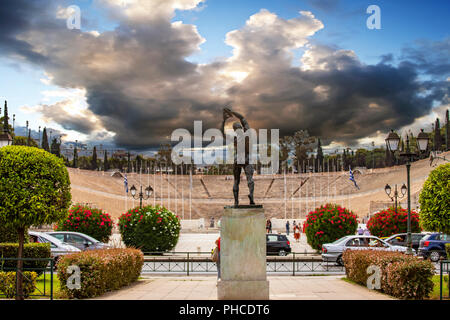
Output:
x,y
141,196
392,142
396,195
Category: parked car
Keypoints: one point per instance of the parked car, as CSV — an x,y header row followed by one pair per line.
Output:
x,y
433,246
80,240
332,252
57,247
401,239
277,244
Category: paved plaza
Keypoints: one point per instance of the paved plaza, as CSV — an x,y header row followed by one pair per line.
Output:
x,y
205,242
281,288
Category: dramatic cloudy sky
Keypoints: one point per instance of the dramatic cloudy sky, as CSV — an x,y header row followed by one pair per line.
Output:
x,y
138,69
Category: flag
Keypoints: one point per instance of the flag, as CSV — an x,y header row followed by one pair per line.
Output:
x,y
352,178
125,182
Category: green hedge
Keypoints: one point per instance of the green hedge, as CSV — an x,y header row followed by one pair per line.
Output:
x,y
151,229
447,248
101,271
8,283
30,250
402,276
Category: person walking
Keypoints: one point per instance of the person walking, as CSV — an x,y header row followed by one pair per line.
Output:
x,y
218,258
287,227
267,226
360,231
297,233
270,226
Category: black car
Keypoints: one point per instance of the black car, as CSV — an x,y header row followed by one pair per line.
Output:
x,y
401,239
277,244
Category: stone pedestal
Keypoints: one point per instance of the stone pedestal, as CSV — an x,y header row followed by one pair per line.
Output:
x,y
243,254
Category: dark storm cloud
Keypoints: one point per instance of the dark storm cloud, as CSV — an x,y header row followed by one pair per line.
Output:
x,y
140,86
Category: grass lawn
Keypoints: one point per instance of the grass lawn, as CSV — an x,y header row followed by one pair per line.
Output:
x,y
40,283
435,294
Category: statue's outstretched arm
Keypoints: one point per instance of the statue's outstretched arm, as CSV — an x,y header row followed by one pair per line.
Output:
x,y
244,122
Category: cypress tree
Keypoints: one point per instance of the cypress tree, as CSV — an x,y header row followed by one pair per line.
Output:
x,y
128,162
447,129
437,136
319,154
105,162
75,157
55,148
45,145
5,119
94,159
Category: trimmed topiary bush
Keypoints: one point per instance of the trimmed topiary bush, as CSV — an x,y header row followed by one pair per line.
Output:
x,y
388,222
101,271
434,200
402,276
329,223
91,221
8,235
34,190
151,229
8,283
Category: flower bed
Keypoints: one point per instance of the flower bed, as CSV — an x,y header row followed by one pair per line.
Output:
x,y
329,223
101,271
91,221
402,276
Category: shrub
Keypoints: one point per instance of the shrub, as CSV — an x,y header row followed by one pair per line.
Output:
x,y
388,222
8,283
447,248
101,271
151,229
329,223
410,279
434,200
91,221
402,276
30,250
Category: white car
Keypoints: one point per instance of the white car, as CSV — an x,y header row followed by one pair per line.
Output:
x,y
333,251
57,247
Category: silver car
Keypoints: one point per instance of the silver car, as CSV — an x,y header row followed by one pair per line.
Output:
x,y
80,240
332,252
57,247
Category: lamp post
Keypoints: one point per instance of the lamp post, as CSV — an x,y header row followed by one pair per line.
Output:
x,y
396,195
392,142
148,193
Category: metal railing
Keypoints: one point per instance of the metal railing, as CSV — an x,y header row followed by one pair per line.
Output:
x,y
444,267
296,263
44,267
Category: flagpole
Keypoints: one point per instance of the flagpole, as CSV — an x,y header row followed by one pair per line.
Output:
x,y
285,209
182,188
154,184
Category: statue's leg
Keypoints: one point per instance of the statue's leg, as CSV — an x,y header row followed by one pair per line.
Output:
x,y
251,184
237,180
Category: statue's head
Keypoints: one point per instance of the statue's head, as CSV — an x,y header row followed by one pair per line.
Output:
x,y
237,126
